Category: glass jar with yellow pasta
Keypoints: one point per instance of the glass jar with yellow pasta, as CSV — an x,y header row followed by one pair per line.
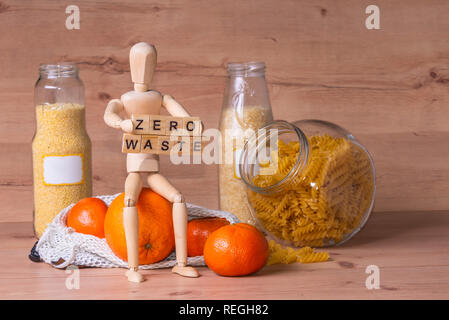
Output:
x,y
310,183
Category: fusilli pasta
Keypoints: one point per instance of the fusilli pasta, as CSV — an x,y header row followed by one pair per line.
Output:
x,y
281,255
324,202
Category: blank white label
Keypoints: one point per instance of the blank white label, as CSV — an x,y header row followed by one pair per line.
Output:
x,y
63,170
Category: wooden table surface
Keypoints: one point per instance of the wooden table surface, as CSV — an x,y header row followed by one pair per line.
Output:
x,y
410,249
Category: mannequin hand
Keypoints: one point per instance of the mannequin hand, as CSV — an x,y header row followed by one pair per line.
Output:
x,y
127,126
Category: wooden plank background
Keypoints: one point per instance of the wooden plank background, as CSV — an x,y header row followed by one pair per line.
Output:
x,y
390,87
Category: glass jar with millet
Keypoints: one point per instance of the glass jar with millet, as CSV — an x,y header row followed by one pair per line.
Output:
x,y
61,147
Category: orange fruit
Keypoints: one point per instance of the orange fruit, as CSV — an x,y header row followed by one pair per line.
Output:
x,y
236,250
198,231
87,216
156,235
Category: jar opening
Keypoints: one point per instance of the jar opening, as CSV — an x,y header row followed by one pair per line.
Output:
x,y
246,69
58,70
267,138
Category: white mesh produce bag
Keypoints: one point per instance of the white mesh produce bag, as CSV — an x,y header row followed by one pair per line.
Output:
x,y
60,246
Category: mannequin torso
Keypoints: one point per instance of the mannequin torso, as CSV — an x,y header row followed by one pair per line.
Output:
x,y
144,103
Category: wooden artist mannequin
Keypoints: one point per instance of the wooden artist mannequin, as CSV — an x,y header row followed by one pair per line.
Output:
x,y
142,166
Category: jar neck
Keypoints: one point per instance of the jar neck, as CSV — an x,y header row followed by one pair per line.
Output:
x,y
51,71
246,69
246,87
268,137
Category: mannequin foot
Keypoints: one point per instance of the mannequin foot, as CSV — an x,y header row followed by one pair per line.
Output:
x,y
134,276
185,271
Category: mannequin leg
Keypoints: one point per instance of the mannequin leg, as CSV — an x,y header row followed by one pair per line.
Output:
x,y
160,184
133,186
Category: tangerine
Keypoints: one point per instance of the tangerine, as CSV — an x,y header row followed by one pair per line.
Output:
x,y
198,230
156,235
236,250
87,216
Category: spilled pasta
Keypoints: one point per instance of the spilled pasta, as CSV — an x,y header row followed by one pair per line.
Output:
x,y
287,255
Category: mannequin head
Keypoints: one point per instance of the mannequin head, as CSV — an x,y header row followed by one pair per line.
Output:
x,y
142,61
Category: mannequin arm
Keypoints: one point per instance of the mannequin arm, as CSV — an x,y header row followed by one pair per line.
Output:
x,y
112,116
173,107
112,113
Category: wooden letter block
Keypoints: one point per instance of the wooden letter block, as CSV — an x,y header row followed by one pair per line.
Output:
x,y
167,144
173,125
197,145
150,144
182,145
141,123
131,143
192,125
157,125
164,145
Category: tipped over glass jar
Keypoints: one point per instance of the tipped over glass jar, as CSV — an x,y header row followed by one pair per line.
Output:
x,y
315,185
